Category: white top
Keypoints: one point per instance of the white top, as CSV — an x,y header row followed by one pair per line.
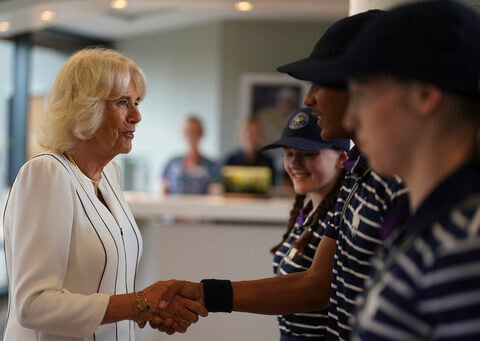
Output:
x,y
66,252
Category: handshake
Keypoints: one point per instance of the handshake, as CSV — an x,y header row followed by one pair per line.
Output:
x,y
172,306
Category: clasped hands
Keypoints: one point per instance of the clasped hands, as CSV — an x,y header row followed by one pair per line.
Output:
x,y
175,305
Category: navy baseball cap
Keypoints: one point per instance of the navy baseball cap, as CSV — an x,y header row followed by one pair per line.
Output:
x,y
302,132
322,66
436,42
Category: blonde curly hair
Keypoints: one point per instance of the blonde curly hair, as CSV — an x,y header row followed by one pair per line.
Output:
x,y
77,99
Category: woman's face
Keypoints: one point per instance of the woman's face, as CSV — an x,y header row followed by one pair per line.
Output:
x,y
329,106
382,114
117,130
193,133
251,135
312,172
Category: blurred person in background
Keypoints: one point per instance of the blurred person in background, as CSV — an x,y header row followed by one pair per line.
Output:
x,y
249,134
191,173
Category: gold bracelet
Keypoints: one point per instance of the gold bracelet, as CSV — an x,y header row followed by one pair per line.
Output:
x,y
143,308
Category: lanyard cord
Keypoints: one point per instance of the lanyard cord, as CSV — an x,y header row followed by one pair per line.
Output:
x,y
292,251
358,179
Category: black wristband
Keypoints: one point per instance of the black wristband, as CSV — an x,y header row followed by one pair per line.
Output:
x,y
218,295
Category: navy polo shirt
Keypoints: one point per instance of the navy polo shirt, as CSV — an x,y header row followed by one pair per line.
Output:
x,y
311,325
426,281
365,200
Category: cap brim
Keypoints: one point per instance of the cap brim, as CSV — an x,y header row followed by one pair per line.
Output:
x,y
329,73
297,143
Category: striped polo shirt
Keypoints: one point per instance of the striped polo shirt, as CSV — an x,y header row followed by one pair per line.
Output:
x,y
426,283
364,202
312,325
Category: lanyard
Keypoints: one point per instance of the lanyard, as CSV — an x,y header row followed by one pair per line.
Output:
x,y
292,251
358,181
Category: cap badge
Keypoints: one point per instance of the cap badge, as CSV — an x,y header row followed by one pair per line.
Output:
x,y
299,121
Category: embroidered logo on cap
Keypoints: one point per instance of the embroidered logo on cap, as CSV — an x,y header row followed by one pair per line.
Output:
x,y
299,121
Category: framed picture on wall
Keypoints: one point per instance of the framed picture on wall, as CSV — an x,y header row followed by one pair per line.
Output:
x,y
272,98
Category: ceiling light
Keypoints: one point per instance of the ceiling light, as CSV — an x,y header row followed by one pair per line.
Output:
x,y
244,6
4,26
118,4
47,15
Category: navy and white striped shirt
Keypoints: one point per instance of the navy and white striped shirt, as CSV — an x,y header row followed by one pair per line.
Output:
x,y
431,287
364,200
312,325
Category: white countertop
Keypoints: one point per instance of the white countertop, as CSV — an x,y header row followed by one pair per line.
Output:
x,y
210,207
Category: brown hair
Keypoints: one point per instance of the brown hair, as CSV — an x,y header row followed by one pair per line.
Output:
x,y
192,118
325,205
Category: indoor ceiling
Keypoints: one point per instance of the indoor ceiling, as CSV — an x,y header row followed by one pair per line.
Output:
x,y
96,19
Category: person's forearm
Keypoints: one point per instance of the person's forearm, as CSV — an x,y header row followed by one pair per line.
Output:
x,y
293,293
139,306
121,307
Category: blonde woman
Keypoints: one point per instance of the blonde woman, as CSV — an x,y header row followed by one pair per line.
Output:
x,y
71,242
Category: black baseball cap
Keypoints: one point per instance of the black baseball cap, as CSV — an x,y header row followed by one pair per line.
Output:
x,y
322,66
302,132
437,42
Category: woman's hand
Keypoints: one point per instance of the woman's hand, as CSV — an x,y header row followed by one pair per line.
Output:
x,y
179,307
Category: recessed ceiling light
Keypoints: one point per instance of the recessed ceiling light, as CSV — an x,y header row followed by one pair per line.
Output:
x,y
47,15
244,6
118,4
4,26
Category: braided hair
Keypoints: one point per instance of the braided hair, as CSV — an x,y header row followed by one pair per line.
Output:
x,y
325,205
294,212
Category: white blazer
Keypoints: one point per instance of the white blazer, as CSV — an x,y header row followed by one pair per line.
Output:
x,y
66,252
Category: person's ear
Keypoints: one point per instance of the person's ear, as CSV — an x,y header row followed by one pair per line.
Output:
x,y
427,98
342,157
